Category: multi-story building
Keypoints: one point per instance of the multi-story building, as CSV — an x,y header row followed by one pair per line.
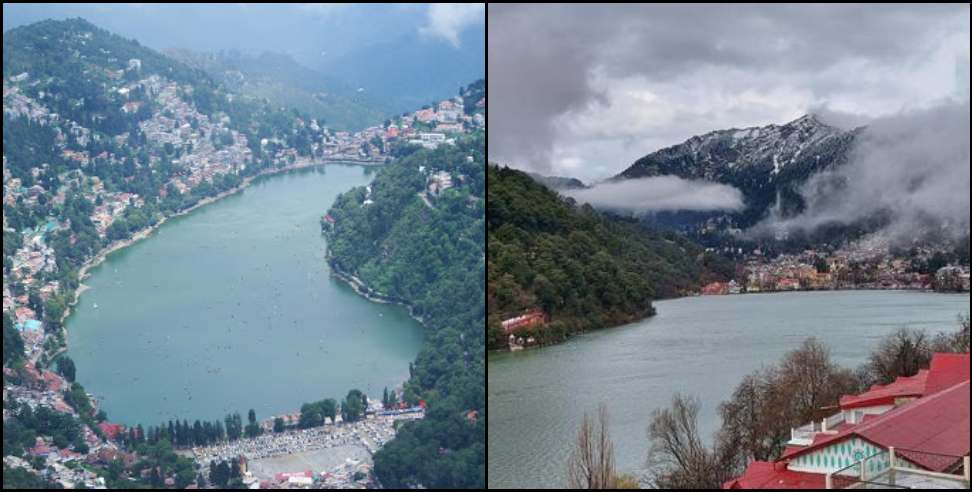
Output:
x,y
912,433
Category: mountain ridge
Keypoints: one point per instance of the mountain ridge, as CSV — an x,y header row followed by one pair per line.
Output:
x,y
768,164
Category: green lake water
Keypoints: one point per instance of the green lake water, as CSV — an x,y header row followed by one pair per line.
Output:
x,y
233,307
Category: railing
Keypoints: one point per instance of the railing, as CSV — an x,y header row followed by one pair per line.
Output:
x,y
865,474
804,435
895,467
833,421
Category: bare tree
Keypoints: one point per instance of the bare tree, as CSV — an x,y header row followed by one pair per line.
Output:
x,y
956,342
747,425
591,463
806,386
903,353
678,458
811,382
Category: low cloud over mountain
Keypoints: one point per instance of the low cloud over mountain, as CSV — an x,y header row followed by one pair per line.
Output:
x,y
666,193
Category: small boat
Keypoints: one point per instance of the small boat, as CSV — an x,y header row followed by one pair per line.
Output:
x,y
96,305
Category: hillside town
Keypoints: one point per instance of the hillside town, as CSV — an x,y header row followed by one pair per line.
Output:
x,y
199,155
863,265
204,151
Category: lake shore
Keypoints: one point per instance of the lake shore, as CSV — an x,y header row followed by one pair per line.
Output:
x,y
696,294
368,293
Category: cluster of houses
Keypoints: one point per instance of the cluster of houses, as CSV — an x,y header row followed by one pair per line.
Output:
x,y
64,466
179,124
952,279
851,268
112,207
912,433
428,128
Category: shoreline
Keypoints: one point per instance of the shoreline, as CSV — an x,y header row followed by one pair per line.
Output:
x,y
102,255
363,290
697,295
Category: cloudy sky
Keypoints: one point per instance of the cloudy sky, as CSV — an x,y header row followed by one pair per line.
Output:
x,y
583,91
285,27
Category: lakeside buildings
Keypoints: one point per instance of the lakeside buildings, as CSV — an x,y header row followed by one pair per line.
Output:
x,y
912,433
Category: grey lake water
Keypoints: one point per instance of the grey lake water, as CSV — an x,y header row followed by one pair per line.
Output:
x,y
700,347
232,307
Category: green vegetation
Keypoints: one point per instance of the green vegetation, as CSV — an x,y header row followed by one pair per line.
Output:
x,y
354,405
314,414
226,474
284,82
18,478
584,269
65,367
21,430
472,94
432,259
252,428
13,345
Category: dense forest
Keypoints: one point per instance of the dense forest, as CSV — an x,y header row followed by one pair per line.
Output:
x,y
585,270
427,251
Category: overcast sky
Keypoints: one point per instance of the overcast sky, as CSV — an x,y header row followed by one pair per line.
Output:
x,y
306,31
583,91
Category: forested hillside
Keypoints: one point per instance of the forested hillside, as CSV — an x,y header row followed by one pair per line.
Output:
x,y
281,80
425,248
582,268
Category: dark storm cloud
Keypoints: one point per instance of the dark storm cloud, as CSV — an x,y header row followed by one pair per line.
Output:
x,y
544,60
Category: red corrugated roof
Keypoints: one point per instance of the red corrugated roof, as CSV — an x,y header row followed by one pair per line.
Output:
x,y
946,371
762,475
936,424
886,394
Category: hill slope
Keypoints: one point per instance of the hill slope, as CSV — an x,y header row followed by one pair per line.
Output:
x,y
426,251
284,82
761,162
583,268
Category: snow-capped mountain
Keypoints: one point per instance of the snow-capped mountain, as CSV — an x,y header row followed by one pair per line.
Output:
x,y
768,164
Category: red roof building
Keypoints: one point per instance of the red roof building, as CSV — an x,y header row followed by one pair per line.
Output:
x,y
903,387
110,431
283,477
923,418
715,289
534,317
762,475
